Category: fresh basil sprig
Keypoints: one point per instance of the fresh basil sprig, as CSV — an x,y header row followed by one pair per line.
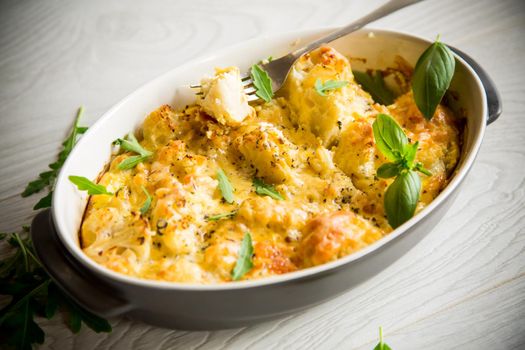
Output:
x,y
264,189
432,76
262,83
382,345
402,195
131,144
225,186
328,85
84,184
374,84
244,260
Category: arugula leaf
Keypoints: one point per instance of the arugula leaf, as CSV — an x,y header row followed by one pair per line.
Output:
x,y
328,85
131,162
390,137
84,184
145,207
221,216
374,84
262,83
131,144
401,198
48,178
381,345
244,260
264,189
44,202
225,186
432,76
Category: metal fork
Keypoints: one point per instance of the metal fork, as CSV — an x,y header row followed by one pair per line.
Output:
x,y
278,69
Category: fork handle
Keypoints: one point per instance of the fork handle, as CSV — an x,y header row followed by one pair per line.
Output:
x,y
380,12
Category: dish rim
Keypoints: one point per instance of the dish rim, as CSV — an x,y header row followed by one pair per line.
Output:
x,y
108,274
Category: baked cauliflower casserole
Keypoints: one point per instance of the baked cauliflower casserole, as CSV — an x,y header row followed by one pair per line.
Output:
x,y
317,152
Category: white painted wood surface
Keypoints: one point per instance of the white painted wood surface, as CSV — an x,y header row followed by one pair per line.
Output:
x,y
462,287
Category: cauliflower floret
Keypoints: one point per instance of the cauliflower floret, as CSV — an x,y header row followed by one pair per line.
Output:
x,y
223,97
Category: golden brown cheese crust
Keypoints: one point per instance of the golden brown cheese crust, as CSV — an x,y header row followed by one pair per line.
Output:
x,y
317,151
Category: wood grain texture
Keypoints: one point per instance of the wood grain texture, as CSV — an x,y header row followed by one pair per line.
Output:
x,y
462,287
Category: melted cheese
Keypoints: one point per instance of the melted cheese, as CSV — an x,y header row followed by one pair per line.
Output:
x,y
318,152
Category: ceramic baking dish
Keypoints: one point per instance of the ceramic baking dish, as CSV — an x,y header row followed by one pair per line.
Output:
x,y
188,306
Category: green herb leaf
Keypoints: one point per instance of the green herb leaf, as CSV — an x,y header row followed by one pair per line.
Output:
x,y
264,189
221,216
77,314
145,207
131,162
44,202
390,137
409,154
85,184
388,170
381,345
48,178
432,76
244,260
262,83
374,84
419,167
328,85
225,186
131,144
401,198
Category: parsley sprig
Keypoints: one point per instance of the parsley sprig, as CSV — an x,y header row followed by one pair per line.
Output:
x,y
47,179
23,279
402,195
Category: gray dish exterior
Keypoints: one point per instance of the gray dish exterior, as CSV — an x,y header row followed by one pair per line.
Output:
x,y
206,309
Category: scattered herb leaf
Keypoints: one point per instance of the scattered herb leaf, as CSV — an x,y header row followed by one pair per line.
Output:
x,y
225,186
264,189
432,76
131,162
328,85
84,184
131,144
147,203
374,84
221,216
381,345
262,83
244,260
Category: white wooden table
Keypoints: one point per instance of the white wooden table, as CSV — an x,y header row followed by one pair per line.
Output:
x,y
461,287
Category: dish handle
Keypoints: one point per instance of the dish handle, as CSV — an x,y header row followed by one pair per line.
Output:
x,y
493,97
86,289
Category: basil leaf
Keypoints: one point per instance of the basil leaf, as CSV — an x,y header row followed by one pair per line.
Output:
x,y
432,76
221,216
145,207
85,184
381,345
401,198
131,162
375,86
262,83
264,189
409,153
328,85
419,167
390,137
388,170
244,260
225,186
